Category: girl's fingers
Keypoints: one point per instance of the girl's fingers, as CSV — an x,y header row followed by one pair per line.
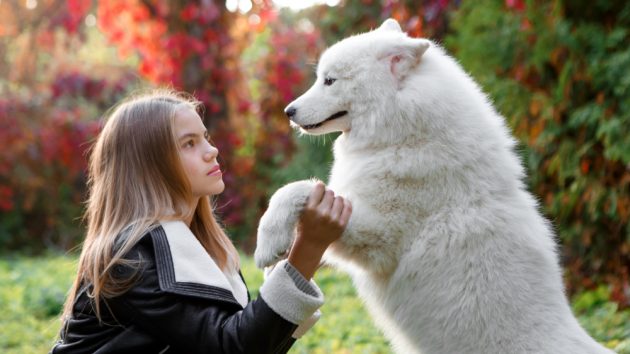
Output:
x,y
345,213
337,208
326,203
316,195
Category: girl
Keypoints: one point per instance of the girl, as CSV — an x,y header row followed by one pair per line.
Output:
x,y
157,273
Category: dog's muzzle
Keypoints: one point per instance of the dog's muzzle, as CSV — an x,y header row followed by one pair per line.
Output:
x,y
317,125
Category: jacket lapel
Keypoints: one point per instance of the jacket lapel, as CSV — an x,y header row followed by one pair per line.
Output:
x,y
185,268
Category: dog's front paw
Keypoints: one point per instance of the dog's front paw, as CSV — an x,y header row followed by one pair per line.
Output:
x,y
276,230
274,240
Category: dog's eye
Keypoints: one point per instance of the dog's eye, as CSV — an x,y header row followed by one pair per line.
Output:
x,y
329,81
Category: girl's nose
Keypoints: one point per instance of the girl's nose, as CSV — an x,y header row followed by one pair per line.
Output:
x,y
211,153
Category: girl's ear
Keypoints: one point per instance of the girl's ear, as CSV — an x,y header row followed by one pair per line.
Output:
x,y
403,57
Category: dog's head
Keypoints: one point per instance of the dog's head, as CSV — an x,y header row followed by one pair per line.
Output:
x,y
356,78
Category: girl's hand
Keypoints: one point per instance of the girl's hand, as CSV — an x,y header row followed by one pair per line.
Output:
x,y
322,222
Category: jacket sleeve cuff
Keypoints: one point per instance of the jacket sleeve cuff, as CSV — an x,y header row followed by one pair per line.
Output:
x,y
299,280
284,296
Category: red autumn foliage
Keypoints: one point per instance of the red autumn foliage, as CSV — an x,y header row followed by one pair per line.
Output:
x,y
42,169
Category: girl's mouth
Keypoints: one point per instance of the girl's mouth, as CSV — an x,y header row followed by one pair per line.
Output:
x,y
216,170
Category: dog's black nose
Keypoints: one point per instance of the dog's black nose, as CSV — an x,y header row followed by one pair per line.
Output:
x,y
290,112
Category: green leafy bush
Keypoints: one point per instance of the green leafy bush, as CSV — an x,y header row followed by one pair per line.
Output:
x,y
602,318
559,73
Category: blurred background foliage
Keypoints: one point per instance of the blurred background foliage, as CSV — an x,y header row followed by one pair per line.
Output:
x,y
557,70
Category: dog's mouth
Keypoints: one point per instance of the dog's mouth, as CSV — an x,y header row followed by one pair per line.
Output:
x,y
317,125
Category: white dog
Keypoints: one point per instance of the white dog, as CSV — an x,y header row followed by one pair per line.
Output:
x,y
445,245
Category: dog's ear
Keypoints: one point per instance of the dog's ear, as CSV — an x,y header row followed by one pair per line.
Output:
x,y
404,56
390,25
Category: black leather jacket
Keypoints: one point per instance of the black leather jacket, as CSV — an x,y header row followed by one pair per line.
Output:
x,y
158,314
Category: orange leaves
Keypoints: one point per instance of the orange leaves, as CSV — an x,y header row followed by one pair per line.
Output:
x,y
535,106
415,26
179,44
537,128
536,123
129,25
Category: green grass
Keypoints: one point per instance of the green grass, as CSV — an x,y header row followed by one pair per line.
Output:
x,y
32,292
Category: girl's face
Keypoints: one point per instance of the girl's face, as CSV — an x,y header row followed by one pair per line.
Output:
x,y
199,158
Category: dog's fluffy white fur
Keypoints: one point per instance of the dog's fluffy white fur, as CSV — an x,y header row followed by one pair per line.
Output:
x,y
445,245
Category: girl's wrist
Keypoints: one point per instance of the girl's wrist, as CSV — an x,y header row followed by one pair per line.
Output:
x,y
306,255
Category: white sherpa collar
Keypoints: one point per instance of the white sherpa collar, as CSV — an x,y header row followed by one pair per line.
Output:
x,y
184,267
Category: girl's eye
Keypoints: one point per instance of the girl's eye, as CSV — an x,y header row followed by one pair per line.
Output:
x,y
329,81
189,143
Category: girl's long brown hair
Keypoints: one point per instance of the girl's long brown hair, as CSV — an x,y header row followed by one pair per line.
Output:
x,y
135,180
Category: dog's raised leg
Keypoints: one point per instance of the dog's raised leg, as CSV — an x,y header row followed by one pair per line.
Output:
x,y
371,240
276,230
